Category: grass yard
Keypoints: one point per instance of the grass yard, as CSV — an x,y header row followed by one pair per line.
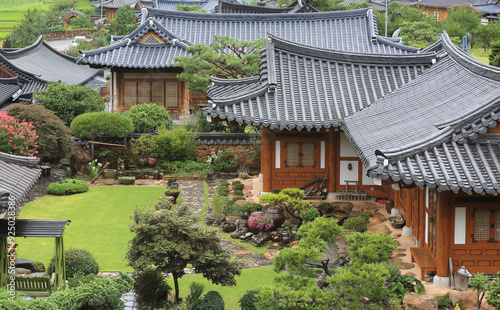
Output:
x,y
250,279
480,54
100,222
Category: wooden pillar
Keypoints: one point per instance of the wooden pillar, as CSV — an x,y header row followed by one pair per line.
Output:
x,y
332,147
4,262
412,200
444,233
267,158
421,222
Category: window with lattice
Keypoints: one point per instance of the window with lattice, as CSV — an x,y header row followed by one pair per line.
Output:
x,y
300,154
163,93
482,225
151,40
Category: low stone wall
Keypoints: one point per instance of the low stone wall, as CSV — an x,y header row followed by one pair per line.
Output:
x,y
68,34
243,153
154,175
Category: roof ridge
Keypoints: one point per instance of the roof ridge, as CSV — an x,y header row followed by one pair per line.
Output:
x,y
20,51
27,75
330,54
256,17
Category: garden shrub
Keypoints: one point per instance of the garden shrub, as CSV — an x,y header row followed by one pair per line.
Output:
x,y
17,138
493,297
357,223
393,268
237,185
93,293
249,299
370,247
6,304
186,168
176,145
218,204
494,57
102,37
41,304
224,183
68,187
194,300
69,101
145,145
445,301
78,262
212,301
326,207
238,198
96,124
226,161
151,287
366,214
148,117
250,207
231,207
223,191
309,215
401,285
238,193
54,138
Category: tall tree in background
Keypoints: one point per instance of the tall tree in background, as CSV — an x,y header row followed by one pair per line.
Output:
x,y
27,31
172,239
225,57
124,23
462,20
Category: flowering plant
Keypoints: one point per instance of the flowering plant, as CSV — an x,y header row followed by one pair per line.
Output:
x,y
244,175
261,222
94,168
17,138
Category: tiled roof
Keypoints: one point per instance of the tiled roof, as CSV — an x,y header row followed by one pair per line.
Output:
x,y
172,4
376,5
236,8
353,31
305,87
35,228
113,4
128,52
70,12
48,64
9,89
444,3
490,8
432,131
18,174
218,138
29,81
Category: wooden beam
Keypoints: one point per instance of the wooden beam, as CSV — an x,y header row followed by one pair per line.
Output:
x,y
421,223
267,156
444,232
332,159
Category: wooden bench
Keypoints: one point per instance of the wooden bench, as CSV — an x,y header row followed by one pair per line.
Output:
x,y
424,259
34,286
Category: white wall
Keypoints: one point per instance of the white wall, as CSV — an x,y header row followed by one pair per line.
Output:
x,y
366,180
346,174
278,155
346,149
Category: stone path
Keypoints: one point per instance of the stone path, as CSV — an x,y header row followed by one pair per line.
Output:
x,y
129,300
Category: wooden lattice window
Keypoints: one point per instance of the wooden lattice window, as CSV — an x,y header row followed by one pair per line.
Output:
x,y
292,154
163,93
481,225
299,154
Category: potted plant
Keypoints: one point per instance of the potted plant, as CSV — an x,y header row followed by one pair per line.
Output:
x,y
144,147
172,183
152,161
258,222
173,193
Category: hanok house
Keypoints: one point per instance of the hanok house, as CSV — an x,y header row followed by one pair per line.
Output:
x,y
37,64
437,140
111,6
236,8
440,7
300,99
69,14
142,63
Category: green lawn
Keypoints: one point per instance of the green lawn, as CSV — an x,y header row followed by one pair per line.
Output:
x,y
250,279
100,222
480,54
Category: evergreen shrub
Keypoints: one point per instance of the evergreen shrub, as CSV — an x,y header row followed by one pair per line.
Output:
x,y
212,301
151,287
68,187
78,262
96,124
148,117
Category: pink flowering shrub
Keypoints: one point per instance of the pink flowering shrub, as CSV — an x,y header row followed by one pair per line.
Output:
x,y
261,222
17,138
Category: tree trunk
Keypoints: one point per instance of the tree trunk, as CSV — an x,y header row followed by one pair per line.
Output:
x,y
176,286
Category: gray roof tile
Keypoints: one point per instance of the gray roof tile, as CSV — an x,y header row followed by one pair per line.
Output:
x,y
432,131
9,89
337,85
18,174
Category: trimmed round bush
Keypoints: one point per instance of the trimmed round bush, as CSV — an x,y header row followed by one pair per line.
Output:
x,y
357,223
366,214
223,183
326,207
96,124
78,262
151,286
237,185
41,304
238,193
309,215
237,198
68,187
212,301
148,117
223,191
248,300
250,207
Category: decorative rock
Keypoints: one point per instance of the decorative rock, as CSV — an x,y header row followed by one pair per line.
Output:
x,y
468,298
343,207
261,238
228,226
26,264
239,232
79,161
461,281
38,274
397,221
22,271
413,301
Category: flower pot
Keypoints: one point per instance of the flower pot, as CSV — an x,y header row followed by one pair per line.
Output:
x,y
152,161
276,214
142,162
254,230
126,180
285,237
109,173
174,194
